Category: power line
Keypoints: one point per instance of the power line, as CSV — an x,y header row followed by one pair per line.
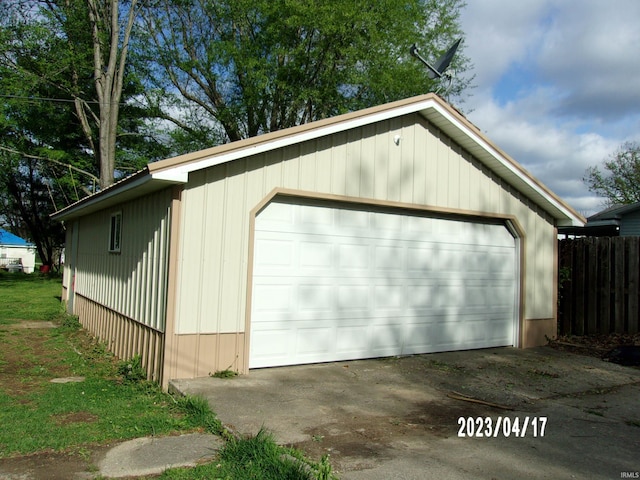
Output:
x,y
47,99
43,99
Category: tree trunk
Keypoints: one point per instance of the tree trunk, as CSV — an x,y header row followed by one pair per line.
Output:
x,y
109,75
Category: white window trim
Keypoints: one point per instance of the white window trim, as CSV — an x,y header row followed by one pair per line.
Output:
x,y
115,236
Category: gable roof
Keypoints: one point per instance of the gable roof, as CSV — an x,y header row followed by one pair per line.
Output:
x,y
434,109
616,212
9,239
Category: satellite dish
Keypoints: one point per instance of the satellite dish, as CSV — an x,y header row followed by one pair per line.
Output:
x,y
439,69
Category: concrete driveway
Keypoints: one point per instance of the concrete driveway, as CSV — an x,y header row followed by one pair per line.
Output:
x,y
399,418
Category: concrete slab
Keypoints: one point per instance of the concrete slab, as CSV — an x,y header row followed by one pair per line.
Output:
x,y
154,455
393,419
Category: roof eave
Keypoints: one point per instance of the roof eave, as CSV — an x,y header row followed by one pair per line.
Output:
x,y
134,186
430,106
471,139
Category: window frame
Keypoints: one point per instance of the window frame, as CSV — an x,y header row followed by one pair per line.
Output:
x,y
115,232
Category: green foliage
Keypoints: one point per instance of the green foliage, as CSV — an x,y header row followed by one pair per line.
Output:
x,y
61,416
620,182
225,374
132,370
199,414
252,66
70,322
258,458
323,469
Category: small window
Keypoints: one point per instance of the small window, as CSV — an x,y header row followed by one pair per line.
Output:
x,y
115,232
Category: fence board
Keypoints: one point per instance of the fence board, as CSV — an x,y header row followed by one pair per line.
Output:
x,y
632,283
601,288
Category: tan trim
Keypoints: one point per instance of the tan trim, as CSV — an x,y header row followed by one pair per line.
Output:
x,y
203,354
511,222
170,351
537,330
522,239
556,264
372,202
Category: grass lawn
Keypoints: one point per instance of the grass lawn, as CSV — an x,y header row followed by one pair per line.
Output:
x,y
29,297
38,416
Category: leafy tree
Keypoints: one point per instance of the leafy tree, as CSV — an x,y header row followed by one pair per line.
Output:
x,y
226,70
53,129
78,50
620,182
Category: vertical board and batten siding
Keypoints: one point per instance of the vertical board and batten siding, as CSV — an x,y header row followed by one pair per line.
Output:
x,y
121,297
426,169
133,281
630,225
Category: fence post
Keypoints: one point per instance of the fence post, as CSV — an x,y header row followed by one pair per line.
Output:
x,y
633,283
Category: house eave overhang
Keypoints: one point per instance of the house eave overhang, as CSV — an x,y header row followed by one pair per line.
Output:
x,y
136,185
471,139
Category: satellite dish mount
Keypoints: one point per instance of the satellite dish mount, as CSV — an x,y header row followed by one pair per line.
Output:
x,y
439,69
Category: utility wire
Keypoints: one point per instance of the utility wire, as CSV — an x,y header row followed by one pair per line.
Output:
x,y
47,99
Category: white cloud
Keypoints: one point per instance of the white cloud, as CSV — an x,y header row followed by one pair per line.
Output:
x,y
556,84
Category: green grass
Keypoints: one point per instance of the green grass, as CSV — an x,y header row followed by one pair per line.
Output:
x,y
29,297
257,458
38,415
113,403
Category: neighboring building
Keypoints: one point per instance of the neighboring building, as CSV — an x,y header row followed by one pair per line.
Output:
x,y
16,254
619,220
395,230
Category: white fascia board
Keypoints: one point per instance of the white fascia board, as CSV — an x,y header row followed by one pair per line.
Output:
x,y
171,176
129,188
212,161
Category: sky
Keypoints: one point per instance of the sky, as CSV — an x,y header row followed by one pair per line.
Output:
x,y
557,85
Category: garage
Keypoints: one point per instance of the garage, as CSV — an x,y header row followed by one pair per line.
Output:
x,y
338,282
394,230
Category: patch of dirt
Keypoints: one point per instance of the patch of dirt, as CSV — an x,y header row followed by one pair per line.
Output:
x,y
27,361
52,465
29,324
75,417
593,345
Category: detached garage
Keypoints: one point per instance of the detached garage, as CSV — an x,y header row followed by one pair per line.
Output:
x,y
394,230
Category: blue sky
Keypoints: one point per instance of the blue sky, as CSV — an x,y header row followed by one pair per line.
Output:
x,y
557,84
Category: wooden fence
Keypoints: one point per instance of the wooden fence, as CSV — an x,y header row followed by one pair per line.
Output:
x,y
599,285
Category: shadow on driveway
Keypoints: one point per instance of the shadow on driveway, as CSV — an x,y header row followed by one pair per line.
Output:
x,y
396,418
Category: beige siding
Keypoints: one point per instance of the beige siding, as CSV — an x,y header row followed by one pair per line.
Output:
x,y
131,283
425,169
123,336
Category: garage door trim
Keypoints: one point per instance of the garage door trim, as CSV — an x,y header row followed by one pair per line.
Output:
x,y
337,201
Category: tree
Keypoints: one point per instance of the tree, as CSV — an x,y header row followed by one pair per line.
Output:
x,y
78,50
621,185
226,70
110,47
54,133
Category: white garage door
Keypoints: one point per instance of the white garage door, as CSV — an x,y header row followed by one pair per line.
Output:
x,y
336,284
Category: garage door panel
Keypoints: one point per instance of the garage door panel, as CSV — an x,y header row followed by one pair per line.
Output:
x,y
353,258
353,298
336,284
312,339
